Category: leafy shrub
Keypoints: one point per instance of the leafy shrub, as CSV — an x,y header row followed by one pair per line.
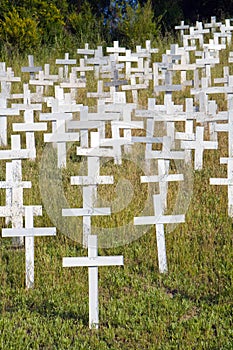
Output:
x,y
18,33
84,25
134,26
50,21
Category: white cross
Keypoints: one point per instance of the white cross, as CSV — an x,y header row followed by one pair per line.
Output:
x,y
163,178
227,182
128,58
86,51
16,152
31,68
100,94
213,24
66,62
116,49
159,219
93,261
134,87
98,60
166,152
29,232
182,27
199,145
89,184
4,113
59,136
82,68
73,83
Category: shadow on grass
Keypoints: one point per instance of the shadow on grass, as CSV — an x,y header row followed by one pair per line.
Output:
x,y
49,309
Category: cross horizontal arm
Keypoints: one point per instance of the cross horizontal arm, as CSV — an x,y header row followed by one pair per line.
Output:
x,y
162,178
86,211
28,232
15,184
154,220
91,180
93,262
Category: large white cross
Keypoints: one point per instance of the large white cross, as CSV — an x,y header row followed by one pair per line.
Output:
x,y
93,261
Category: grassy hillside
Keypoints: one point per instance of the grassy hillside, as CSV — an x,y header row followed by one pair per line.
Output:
x,y
190,307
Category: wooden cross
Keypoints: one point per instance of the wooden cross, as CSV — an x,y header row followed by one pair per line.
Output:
x,y
223,36
61,103
31,69
14,186
143,71
213,25
100,94
117,141
116,50
47,76
6,78
128,58
227,182
14,193
199,145
184,67
86,51
29,232
66,62
162,179
82,68
42,82
182,27
226,31
227,127
214,48
225,79
134,87
168,113
16,152
89,184
146,52
166,152
4,113
93,261
98,60
92,121
188,134
14,209
73,83
168,87
159,220
59,136
207,61
27,105
193,36
115,77
206,90
29,125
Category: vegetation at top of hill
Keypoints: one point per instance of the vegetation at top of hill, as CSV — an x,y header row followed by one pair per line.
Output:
x,y
27,24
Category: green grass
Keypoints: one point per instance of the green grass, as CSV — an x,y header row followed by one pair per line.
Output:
x,y
190,307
